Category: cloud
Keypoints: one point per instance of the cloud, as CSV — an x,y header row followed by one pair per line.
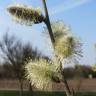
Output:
x,y
68,5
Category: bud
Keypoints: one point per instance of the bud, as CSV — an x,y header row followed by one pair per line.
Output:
x,y
25,15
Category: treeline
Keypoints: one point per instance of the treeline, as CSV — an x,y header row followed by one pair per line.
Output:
x,y
79,71
69,73
6,72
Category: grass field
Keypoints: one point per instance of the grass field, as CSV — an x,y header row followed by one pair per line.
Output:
x,y
16,93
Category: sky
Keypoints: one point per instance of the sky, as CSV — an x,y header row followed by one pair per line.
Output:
x,y
80,15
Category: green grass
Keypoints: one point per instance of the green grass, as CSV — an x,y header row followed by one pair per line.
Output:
x,y
17,93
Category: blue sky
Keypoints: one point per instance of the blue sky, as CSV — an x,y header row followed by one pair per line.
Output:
x,y
79,14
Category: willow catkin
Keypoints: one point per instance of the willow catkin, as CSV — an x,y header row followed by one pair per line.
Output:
x,y
40,73
26,15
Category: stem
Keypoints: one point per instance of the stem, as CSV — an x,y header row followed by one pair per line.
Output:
x,y
47,21
48,24
67,88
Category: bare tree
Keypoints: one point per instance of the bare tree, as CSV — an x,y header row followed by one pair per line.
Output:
x,y
16,54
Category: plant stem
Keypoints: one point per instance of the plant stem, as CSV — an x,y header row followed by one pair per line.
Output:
x,y
48,24
47,21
